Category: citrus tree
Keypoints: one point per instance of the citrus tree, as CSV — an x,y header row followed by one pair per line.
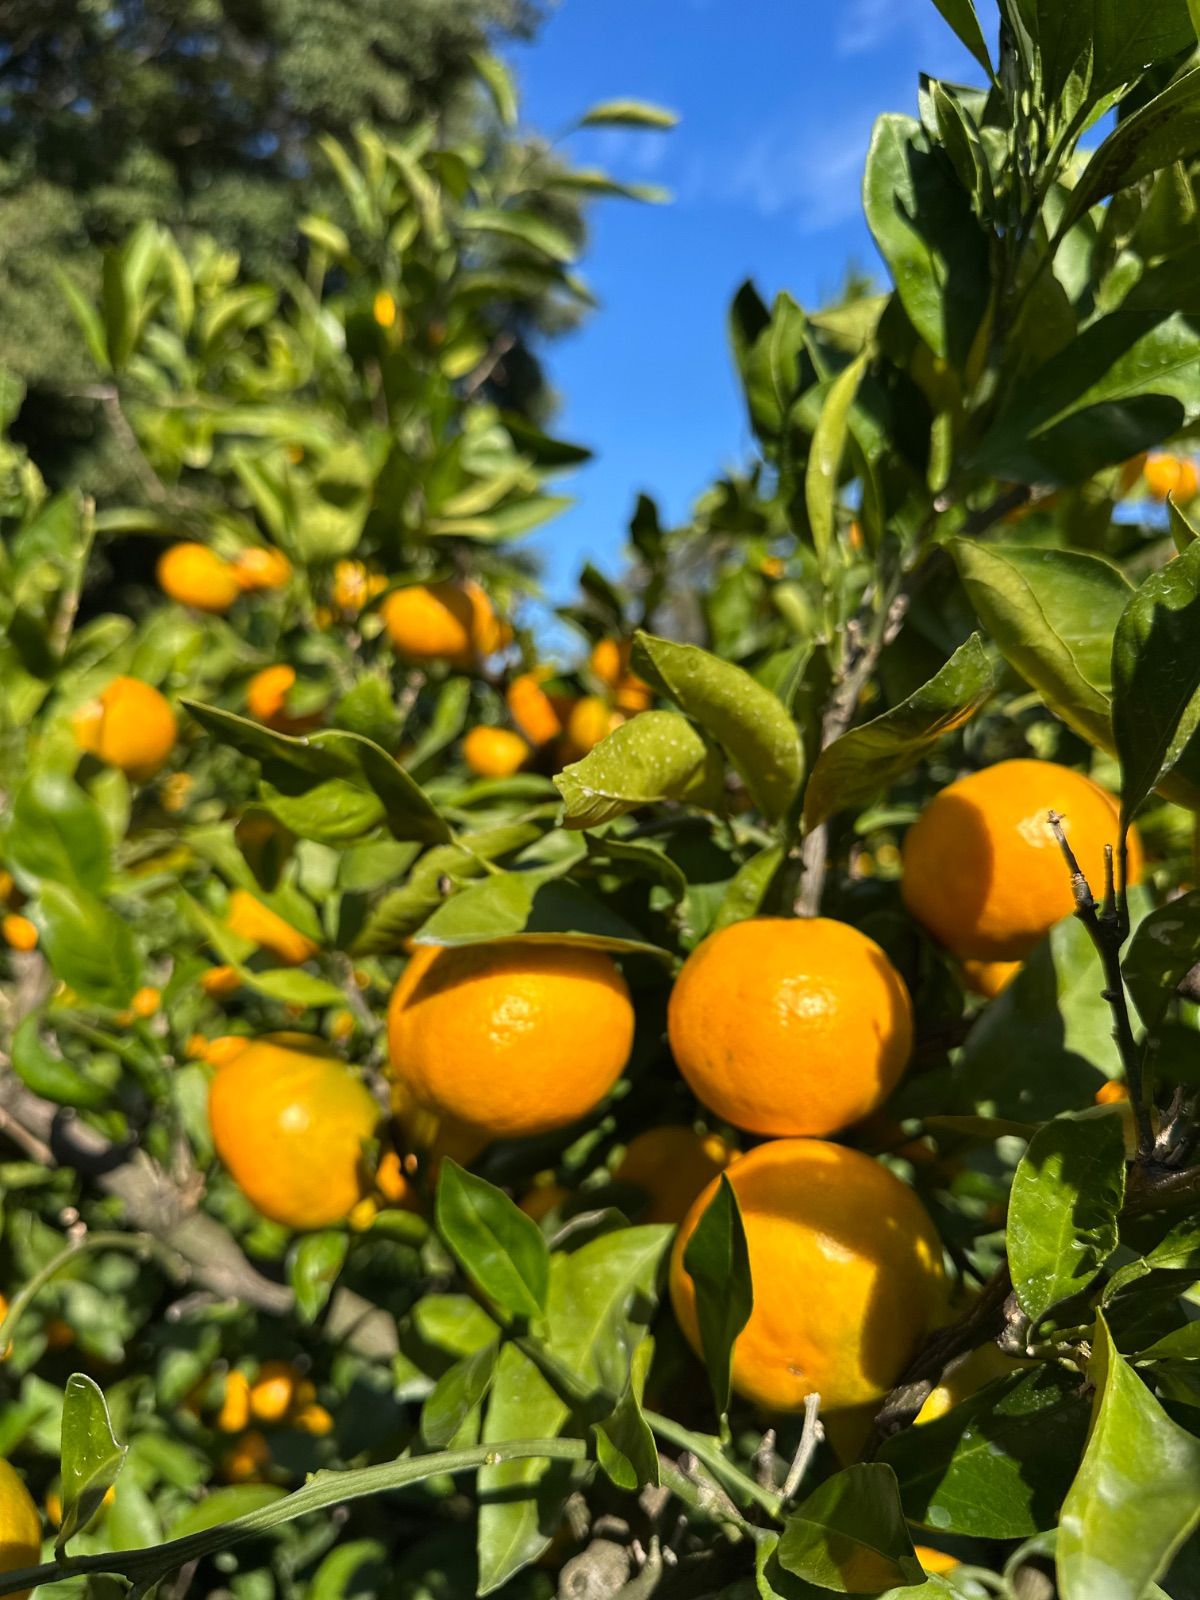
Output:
x,y
716,1115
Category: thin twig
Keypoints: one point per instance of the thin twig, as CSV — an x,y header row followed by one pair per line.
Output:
x,y
810,1437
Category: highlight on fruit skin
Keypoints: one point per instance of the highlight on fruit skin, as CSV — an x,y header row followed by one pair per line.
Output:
x,y
494,752
198,577
847,1273
671,1165
250,919
20,1526
446,621
290,1121
789,1026
508,1039
129,725
983,871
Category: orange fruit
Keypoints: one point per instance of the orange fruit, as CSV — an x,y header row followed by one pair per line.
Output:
x,y
248,1460
146,1002
354,585
19,933
609,661
392,1183
289,1120
218,982
234,1414
383,309
224,1049
847,1274
988,978
267,692
510,1038
1111,1093
313,1419
452,622
981,1367
196,576
983,872
671,1165
20,1526
494,752
128,725
250,919
935,1561
532,709
1167,474
787,1026
273,1391
590,720
261,567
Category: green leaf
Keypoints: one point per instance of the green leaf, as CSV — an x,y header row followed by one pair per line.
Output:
x,y
498,81
1064,1209
1175,1257
334,812
1156,678
625,1445
997,1465
1164,948
850,1535
527,228
923,225
771,356
501,1249
744,718
868,760
1137,1496
51,1076
1183,530
1164,130
628,114
656,756
1052,615
223,1505
717,1259
459,1391
825,456
537,907
960,14
748,887
313,1267
91,1456
88,946
90,323
58,832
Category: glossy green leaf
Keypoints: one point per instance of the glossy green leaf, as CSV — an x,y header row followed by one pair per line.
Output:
x,y
88,945
1052,615
825,454
58,832
1176,1257
1164,130
997,1465
52,1076
501,1249
1137,1496
770,352
1164,948
628,114
717,1259
499,83
1156,679
91,1456
656,756
748,887
458,1392
1064,1208
625,1445
850,1534
960,14
744,718
222,1505
537,907
313,1267
866,761
923,225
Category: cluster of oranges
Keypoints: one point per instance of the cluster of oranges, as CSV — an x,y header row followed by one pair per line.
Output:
x,y
789,1031
278,1395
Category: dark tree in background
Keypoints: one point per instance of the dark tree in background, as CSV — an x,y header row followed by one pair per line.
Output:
x,y
201,114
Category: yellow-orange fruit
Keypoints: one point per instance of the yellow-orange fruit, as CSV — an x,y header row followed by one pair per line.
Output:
x,y
218,982
146,1002
383,309
19,933
250,919
988,978
590,720
248,1460
392,1184
532,709
261,567
935,1561
1111,1093
290,1121
314,1419
1167,474
671,1165
7,885
196,576
609,660
983,872
354,585
789,1026
511,1038
267,692
632,694
452,622
128,725
273,1391
225,1048
847,1274
981,1367
234,1414
494,752
20,1526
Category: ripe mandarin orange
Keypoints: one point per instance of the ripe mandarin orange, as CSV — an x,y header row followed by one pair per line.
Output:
x,y
988,978
128,725
250,919
289,1120
510,1038
1168,474
788,1026
494,752
267,692
590,720
671,1165
18,932
935,1561
451,622
196,576
261,567
532,709
983,872
20,1526
847,1274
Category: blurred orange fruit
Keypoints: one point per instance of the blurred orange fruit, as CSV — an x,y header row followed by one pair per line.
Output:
x,y
196,576
671,1165
128,725
590,720
261,567
988,978
494,752
452,622
19,933
250,919
532,709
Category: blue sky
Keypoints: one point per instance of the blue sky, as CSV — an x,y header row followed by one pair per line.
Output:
x,y
776,100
